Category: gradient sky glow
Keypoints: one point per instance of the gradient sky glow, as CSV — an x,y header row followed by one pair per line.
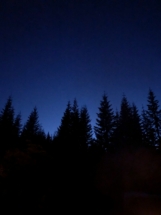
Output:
x,y
54,51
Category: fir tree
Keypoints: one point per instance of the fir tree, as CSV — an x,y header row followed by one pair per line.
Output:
x,y
104,123
136,131
116,128
75,127
7,117
124,123
68,134
85,129
17,127
7,125
147,130
63,134
64,130
32,130
48,138
153,115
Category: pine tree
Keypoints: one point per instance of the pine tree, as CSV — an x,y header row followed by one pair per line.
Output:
x,y
17,127
7,125
116,128
124,123
68,134
32,130
7,117
75,127
85,129
104,124
147,130
136,131
63,134
153,115
48,138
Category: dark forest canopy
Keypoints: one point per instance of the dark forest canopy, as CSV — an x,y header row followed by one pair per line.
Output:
x,y
38,170
125,127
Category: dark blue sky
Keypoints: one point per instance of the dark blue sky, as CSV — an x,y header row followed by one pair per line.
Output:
x,y
54,51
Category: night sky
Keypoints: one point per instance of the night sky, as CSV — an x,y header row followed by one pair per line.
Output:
x,y
54,51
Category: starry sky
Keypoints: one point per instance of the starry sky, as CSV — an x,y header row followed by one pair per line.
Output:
x,y
52,51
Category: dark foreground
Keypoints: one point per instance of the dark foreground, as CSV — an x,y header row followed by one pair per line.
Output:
x,y
35,181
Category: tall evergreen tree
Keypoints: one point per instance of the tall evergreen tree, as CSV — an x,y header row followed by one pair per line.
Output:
x,y
153,116
7,125
104,123
116,132
75,127
7,116
48,138
147,131
63,134
127,129
17,127
124,123
68,135
85,129
32,129
136,131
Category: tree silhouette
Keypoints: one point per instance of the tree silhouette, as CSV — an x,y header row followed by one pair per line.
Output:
x,y
124,126
75,127
85,129
75,132
136,131
104,123
116,130
7,125
127,126
146,128
151,120
48,138
63,135
32,130
17,128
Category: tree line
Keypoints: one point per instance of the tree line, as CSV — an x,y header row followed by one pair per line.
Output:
x,y
39,171
113,130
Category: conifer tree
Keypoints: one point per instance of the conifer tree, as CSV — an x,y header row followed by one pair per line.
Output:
x,y
32,130
104,123
147,130
116,128
17,127
85,129
63,135
136,131
7,117
7,125
68,133
153,116
75,127
49,138
124,123
128,131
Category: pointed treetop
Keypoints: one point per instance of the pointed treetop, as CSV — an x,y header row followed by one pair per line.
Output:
x,y
104,122
153,103
75,106
125,107
7,112
85,127
32,126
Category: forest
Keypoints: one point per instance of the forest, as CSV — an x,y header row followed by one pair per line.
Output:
x,y
75,171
